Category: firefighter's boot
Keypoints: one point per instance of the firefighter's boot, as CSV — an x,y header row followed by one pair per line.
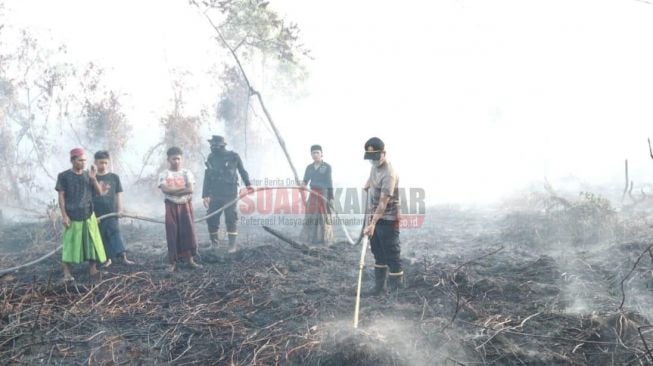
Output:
x,y
395,281
380,279
233,247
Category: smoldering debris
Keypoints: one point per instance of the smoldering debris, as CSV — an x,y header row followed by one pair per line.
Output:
x,y
476,292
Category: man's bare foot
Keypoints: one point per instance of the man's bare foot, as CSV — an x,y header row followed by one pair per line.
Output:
x,y
127,261
66,273
172,267
193,264
92,270
107,264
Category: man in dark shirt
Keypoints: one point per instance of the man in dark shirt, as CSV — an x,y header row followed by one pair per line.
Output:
x,y
221,187
317,222
82,241
383,224
108,201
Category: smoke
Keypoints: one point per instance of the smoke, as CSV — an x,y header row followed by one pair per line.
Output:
x,y
386,341
508,107
594,240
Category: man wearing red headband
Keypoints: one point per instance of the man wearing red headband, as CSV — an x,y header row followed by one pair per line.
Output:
x,y
81,238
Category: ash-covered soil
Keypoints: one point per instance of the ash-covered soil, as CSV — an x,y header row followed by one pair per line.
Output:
x,y
482,287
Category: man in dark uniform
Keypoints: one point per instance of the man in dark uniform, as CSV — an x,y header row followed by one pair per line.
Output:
x,y
383,223
221,187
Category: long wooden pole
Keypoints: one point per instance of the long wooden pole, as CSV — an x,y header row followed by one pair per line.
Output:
x,y
361,265
254,92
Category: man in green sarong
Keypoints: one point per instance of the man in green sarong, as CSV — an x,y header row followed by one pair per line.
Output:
x,y
82,241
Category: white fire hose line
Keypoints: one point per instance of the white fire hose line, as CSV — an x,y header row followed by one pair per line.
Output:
x,y
148,219
300,188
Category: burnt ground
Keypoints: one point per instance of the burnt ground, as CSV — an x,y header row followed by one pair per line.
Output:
x,y
501,287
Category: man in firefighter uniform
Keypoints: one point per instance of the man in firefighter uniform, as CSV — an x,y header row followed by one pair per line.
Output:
x,y
383,224
221,187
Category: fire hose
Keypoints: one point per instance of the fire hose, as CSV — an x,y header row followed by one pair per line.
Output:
x,y
204,218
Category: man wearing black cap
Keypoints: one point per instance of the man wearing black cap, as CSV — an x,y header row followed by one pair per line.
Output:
x,y
221,187
383,224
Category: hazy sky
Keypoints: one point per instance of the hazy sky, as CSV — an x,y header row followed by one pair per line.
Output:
x,y
473,98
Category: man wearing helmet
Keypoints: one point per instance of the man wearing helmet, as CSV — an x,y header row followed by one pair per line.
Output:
x,y
221,187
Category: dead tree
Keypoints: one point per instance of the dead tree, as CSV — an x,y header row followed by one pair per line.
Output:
x,y
252,25
628,189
